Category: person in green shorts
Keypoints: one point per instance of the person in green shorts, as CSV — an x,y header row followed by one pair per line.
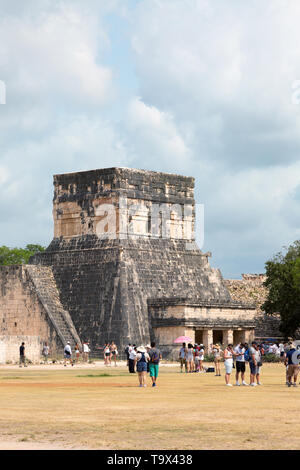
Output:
x,y
155,357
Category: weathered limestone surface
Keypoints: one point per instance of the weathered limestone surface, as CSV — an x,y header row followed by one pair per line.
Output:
x,y
251,289
30,307
10,344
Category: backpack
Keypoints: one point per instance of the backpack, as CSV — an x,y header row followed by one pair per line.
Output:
x,y
143,358
154,355
247,355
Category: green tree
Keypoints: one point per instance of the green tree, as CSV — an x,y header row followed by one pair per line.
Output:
x,y
10,256
283,283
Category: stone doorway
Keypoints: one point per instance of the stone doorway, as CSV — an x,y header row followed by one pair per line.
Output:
x,y
218,337
199,336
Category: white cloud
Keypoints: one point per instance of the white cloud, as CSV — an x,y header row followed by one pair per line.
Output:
x,y
224,70
55,52
26,190
155,137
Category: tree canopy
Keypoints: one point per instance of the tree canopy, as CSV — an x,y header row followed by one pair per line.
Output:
x,y
283,283
18,255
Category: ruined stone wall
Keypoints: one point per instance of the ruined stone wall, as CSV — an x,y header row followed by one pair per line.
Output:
x,y
10,344
21,312
81,203
251,289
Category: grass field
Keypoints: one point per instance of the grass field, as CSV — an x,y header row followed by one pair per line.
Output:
x,y
100,408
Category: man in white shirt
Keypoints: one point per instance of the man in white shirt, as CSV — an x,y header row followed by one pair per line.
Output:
x,y
86,351
240,364
131,360
273,349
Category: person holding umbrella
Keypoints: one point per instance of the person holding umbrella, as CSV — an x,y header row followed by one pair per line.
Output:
x,y
183,352
182,357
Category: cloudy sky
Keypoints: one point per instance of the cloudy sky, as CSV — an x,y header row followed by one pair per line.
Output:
x,y
205,88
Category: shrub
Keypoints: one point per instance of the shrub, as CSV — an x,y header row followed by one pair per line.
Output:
x,y
271,358
209,358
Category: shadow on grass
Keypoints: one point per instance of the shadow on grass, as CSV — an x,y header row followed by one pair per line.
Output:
x,y
102,375
12,377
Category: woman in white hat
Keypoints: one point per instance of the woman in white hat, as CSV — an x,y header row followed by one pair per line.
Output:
x,y
141,361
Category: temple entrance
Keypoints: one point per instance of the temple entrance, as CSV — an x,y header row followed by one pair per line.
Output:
x,y
199,336
218,337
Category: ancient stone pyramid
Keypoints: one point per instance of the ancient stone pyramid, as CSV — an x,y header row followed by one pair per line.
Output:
x,y
121,238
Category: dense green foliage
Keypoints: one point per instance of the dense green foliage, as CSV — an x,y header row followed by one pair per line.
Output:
x,y
18,255
283,283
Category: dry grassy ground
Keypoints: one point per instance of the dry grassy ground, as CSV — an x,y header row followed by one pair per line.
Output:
x,y
55,407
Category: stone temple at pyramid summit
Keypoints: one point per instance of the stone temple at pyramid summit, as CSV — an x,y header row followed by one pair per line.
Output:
x,y
123,266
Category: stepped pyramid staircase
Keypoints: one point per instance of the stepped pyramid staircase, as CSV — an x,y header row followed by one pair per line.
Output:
x,y
47,292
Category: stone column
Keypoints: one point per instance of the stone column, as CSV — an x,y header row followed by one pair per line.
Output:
x,y
207,339
191,333
227,337
249,336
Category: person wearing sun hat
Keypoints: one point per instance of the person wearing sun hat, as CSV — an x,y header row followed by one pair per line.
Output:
x,y
68,354
216,350
141,360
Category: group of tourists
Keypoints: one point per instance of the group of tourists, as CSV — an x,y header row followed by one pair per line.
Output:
x,y
191,357
143,360
68,354
243,353
146,359
110,353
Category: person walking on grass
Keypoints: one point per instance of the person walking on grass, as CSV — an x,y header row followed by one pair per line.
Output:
x,y
240,364
77,353
68,354
107,355
45,352
183,357
216,350
148,347
22,355
228,358
291,362
141,359
155,357
114,352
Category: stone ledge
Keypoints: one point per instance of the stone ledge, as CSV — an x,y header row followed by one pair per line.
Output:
x,y
205,324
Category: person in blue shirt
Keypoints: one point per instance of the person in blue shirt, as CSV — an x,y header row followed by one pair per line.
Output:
x,y
292,360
